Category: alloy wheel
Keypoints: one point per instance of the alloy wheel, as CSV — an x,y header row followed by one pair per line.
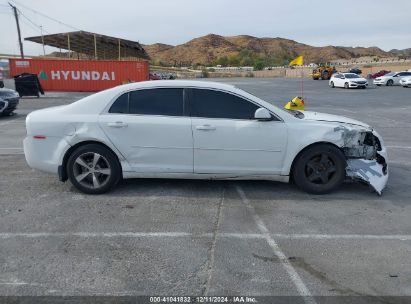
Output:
x,y
91,170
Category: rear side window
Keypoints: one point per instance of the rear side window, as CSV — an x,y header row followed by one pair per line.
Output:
x,y
120,105
216,104
161,101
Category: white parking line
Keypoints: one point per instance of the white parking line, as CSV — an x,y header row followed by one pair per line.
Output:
x,y
295,277
10,121
398,147
11,148
7,235
371,237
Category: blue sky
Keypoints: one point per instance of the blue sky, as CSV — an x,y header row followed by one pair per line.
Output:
x,y
386,24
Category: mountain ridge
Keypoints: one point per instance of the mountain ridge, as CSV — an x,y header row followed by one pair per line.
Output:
x,y
211,48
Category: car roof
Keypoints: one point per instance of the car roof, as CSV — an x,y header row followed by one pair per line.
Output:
x,y
175,83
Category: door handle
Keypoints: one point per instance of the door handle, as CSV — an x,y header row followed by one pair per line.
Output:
x,y
117,124
205,128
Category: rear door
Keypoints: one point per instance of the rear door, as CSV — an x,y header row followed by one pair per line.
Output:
x,y
227,138
151,129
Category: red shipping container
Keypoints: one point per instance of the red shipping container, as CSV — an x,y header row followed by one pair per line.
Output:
x,y
81,75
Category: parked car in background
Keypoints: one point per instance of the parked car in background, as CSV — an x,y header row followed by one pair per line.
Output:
x,y
391,79
406,82
9,100
168,76
154,76
348,80
379,74
1,78
199,130
355,71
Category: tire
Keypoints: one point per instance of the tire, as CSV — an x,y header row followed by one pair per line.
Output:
x,y
390,82
332,84
93,169
346,85
320,169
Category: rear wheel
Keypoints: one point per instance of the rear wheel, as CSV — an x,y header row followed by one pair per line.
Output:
x,y
93,169
390,82
320,169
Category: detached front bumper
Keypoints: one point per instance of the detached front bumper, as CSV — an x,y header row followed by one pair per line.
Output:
x,y
365,154
372,168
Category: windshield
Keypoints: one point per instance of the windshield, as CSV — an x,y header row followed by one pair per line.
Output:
x,y
390,74
350,75
295,113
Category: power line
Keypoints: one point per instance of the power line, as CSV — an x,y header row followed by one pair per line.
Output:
x,y
36,25
31,26
46,16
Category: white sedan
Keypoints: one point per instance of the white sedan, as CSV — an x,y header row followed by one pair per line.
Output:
x,y
406,82
199,130
391,79
347,80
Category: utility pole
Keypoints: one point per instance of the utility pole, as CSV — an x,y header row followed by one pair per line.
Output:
x,y
42,40
16,16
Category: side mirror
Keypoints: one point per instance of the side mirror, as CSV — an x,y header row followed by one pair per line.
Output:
x,y
262,115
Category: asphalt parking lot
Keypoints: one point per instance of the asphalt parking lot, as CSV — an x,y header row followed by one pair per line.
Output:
x,y
183,237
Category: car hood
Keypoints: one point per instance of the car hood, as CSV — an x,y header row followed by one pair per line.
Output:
x,y
384,77
316,116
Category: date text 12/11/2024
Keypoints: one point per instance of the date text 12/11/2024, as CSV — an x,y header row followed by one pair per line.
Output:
x,y
203,299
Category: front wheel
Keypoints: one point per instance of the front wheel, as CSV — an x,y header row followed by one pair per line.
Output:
x,y
390,82
93,169
346,85
320,169
332,84
325,75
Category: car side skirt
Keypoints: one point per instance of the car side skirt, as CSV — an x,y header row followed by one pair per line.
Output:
x,y
278,178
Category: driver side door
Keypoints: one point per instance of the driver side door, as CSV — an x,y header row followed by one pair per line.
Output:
x,y
227,138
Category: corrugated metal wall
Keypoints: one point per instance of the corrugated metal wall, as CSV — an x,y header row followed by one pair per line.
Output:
x,y
81,75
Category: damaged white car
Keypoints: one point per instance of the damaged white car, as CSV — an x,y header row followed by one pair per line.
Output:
x,y
199,130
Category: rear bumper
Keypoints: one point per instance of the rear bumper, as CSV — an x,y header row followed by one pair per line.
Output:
x,y
45,154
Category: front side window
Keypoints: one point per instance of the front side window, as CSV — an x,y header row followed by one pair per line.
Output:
x,y
216,104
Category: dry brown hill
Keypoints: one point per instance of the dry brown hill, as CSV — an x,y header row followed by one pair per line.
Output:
x,y
207,49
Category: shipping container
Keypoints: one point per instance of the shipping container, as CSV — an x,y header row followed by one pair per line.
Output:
x,y
81,75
